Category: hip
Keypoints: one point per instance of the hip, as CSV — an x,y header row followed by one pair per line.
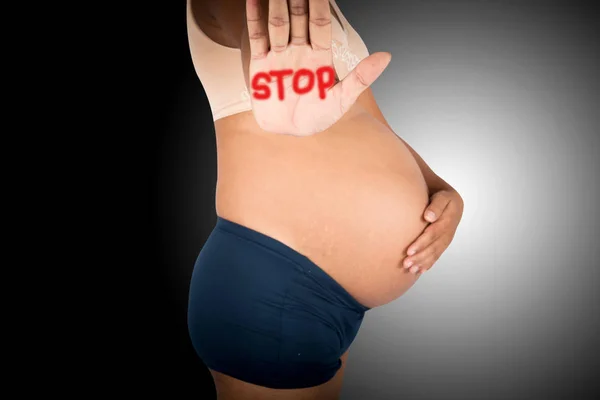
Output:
x,y
265,314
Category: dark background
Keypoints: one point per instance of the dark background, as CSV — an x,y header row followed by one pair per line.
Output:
x,y
179,133
173,90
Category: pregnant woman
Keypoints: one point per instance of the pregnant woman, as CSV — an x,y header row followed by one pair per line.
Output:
x,y
323,212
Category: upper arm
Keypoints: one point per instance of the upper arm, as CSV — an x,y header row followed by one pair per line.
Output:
x,y
229,14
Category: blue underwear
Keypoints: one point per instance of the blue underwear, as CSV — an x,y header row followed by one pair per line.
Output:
x,y
263,313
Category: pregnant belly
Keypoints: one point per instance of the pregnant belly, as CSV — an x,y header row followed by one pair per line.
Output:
x,y
351,198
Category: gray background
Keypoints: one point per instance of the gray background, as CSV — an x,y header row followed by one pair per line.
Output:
x,y
501,98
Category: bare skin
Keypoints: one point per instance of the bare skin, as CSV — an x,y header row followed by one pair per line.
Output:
x,y
355,183
229,388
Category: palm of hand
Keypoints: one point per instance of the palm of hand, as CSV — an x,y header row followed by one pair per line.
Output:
x,y
297,113
277,107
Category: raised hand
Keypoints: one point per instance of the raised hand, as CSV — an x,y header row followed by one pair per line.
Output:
x,y
290,75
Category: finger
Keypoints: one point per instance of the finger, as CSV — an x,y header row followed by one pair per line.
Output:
x,y
279,25
361,77
439,202
298,22
428,263
257,34
414,270
429,235
424,258
319,25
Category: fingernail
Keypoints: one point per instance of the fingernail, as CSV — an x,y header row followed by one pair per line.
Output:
x,y
408,264
411,252
414,269
430,215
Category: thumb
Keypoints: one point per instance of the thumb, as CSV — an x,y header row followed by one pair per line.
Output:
x,y
362,76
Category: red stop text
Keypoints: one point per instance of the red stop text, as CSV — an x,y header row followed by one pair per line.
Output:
x,y
325,77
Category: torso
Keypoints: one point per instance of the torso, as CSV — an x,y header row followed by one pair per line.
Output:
x,y
350,198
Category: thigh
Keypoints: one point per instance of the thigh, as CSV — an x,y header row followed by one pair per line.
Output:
x,y
229,388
